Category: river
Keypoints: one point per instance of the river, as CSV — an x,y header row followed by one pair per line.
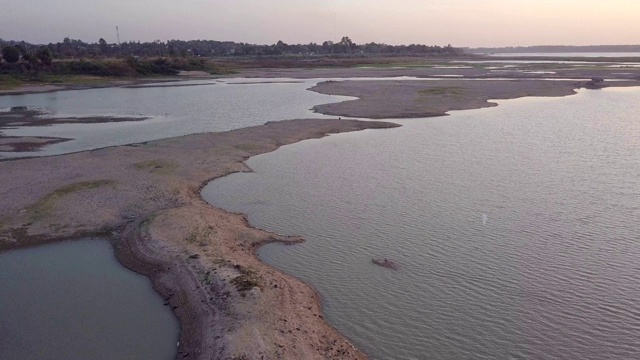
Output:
x,y
515,229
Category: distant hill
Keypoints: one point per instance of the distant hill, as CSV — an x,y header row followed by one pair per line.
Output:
x,y
555,49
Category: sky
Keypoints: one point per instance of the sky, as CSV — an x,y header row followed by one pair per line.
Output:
x,y
461,23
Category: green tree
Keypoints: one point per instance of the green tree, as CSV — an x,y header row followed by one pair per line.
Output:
x,y
104,47
44,55
10,54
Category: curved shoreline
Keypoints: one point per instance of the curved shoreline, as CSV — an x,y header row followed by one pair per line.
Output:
x,y
200,258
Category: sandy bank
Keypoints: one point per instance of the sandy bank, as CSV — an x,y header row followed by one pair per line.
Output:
x,y
201,259
26,143
87,82
385,99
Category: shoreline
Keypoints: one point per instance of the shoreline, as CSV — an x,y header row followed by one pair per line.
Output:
x,y
201,259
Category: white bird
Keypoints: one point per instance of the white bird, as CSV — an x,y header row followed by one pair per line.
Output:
x,y
484,219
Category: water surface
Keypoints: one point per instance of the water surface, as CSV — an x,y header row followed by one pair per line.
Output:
x,y
211,106
73,300
515,228
571,54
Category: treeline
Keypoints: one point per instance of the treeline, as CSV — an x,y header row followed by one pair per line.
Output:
x,y
70,48
555,49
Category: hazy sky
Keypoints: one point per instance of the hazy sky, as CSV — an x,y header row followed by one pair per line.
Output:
x,y
459,22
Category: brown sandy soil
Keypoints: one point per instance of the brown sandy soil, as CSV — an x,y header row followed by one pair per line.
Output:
x,y
387,99
26,143
201,259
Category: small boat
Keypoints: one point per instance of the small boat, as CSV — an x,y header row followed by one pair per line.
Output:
x,y
385,263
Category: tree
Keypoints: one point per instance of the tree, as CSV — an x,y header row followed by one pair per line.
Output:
x,y
44,55
10,54
104,47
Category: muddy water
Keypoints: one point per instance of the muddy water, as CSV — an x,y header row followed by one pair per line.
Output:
x,y
73,300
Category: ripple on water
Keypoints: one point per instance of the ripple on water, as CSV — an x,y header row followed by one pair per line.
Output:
x,y
550,273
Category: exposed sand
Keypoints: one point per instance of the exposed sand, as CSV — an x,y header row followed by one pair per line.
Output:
x,y
410,99
446,68
201,259
26,143
90,82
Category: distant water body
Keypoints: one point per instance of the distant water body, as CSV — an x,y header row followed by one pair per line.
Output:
x,y
515,229
73,300
569,54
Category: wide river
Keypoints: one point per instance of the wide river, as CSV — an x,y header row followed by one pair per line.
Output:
x,y
74,301
515,229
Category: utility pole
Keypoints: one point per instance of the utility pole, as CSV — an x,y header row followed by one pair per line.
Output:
x,y
118,35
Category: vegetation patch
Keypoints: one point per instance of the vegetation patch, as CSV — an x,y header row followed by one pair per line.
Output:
x,y
248,147
200,236
206,278
44,206
8,82
247,280
158,166
441,91
146,223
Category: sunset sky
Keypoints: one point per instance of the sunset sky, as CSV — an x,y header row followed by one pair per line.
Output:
x,y
459,22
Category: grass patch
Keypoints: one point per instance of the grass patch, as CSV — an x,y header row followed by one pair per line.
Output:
x,y
158,166
248,147
146,223
8,82
247,280
441,91
43,207
200,236
206,278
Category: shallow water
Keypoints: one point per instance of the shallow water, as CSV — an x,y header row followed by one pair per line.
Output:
x,y
204,106
515,229
174,111
73,300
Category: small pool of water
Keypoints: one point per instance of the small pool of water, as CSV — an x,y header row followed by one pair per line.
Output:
x,y
74,301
